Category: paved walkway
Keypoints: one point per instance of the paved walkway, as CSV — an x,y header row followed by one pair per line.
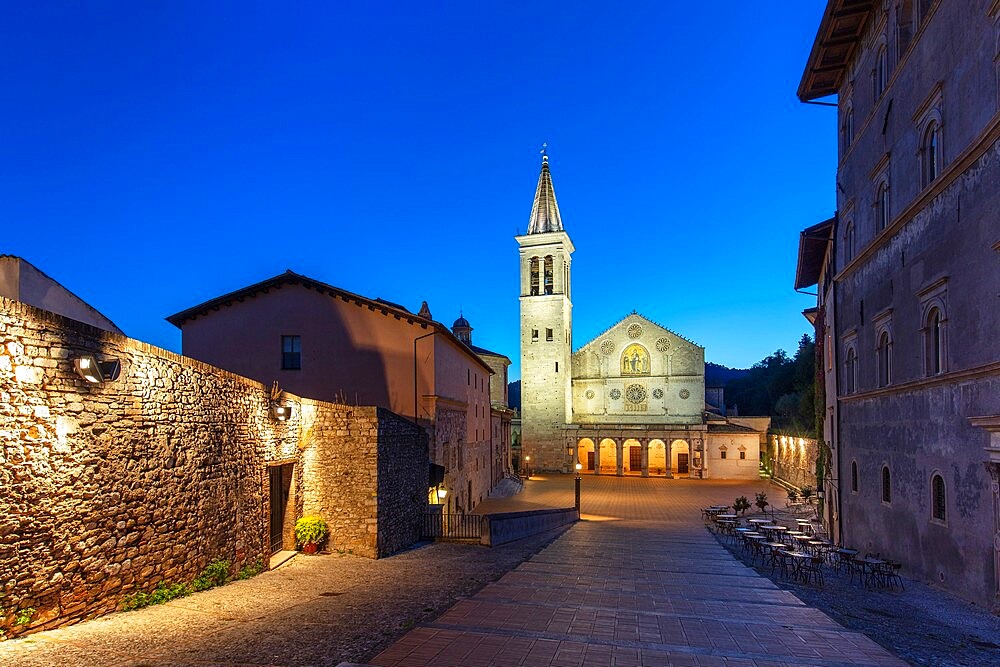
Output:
x,y
640,582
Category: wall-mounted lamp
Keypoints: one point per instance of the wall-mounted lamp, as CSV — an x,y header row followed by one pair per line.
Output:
x,y
281,412
442,494
94,371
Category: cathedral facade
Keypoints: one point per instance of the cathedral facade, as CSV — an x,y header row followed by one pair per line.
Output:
x,y
630,401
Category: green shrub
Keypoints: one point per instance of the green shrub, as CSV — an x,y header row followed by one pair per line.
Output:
x,y
741,504
215,574
311,529
807,492
250,570
761,501
163,592
793,495
23,616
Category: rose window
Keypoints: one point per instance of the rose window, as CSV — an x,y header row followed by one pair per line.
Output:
x,y
590,393
662,344
615,394
657,393
607,347
634,331
684,393
635,393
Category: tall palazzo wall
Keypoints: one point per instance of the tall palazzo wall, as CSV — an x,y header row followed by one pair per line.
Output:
x,y
111,488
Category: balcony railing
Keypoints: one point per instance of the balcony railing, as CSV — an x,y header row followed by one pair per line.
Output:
x,y
438,525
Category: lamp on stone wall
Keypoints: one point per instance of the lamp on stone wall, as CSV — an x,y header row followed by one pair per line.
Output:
x,y
442,493
94,371
281,412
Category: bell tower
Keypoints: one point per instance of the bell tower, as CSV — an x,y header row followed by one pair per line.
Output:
x,y
546,331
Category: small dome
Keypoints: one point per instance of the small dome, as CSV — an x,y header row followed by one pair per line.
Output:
x,y
461,322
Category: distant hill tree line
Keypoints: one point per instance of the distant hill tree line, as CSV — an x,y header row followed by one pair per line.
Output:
x,y
781,387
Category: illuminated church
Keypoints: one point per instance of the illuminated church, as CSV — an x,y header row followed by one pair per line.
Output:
x,y
629,402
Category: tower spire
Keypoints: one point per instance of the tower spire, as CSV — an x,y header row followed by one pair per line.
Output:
x,y
545,210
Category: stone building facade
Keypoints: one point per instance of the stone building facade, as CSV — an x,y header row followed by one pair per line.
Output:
x,y
326,343
631,401
110,488
914,279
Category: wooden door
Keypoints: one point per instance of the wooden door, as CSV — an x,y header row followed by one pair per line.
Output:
x,y
682,464
279,490
635,458
590,460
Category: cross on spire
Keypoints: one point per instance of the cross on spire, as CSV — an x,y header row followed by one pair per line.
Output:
x,y
544,151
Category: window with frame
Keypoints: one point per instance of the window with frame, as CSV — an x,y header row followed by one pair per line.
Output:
x,y
934,342
854,476
533,264
880,75
851,371
722,453
883,359
886,485
548,274
534,335
848,129
904,26
743,454
849,241
881,206
291,353
930,153
548,334
938,505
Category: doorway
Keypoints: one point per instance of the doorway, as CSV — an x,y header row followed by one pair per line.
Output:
x,y
280,482
682,463
634,458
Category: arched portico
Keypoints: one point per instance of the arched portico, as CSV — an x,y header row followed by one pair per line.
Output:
x,y
632,456
585,453
657,457
607,460
680,458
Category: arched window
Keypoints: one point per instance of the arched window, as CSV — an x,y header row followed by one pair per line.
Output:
x,y
930,153
854,476
851,372
849,242
904,26
883,359
534,276
548,274
882,206
933,333
938,506
880,75
848,128
886,485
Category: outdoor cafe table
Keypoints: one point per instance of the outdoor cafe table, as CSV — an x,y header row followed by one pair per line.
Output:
x,y
844,556
798,559
760,521
870,566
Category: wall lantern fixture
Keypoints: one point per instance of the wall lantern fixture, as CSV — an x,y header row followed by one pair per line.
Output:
x,y
442,493
281,412
94,371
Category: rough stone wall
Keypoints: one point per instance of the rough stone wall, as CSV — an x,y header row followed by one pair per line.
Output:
x,y
402,481
111,488
793,460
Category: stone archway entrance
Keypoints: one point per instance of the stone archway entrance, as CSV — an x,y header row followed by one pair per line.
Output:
x,y
608,462
585,454
632,456
657,457
680,463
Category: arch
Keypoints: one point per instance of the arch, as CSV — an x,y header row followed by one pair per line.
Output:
x,y
677,448
657,457
881,206
930,152
851,371
880,72
631,458
934,340
939,508
854,476
849,241
848,128
886,485
548,285
585,453
609,457
883,358
634,360
533,267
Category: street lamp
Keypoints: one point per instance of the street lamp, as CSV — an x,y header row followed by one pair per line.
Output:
x,y
527,467
579,467
442,493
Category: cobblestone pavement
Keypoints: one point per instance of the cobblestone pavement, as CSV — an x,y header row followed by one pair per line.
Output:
x,y
641,582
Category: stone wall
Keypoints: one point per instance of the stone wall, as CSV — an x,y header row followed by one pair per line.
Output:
x,y
793,460
114,487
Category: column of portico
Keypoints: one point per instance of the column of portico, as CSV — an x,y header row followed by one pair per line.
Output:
x,y
644,443
597,454
620,445
669,443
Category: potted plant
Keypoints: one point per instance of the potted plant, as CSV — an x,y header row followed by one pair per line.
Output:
x,y
741,504
807,492
761,502
793,495
310,531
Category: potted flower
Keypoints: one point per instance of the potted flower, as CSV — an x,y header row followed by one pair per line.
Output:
x,y
741,504
310,531
807,492
761,502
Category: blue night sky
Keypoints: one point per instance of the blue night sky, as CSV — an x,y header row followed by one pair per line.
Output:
x,y
155,155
